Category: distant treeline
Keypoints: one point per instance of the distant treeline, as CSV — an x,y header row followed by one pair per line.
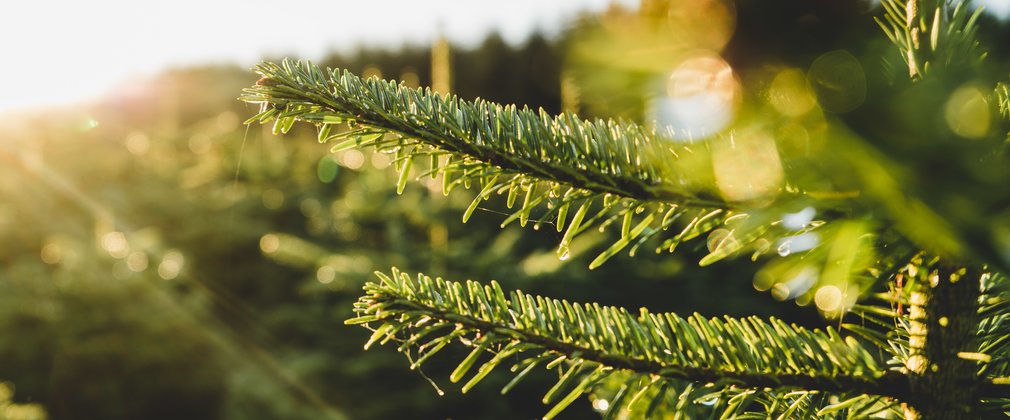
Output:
x,y
525,74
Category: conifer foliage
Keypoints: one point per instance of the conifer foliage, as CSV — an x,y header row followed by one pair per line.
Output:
x,y
918,286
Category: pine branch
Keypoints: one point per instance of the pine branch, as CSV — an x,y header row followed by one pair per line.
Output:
x,y
994,340
705,401
915,323
613,157
740,353
994,327
801,404
1002,99
931,34
571,173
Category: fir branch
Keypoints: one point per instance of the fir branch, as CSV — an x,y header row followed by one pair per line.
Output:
x,y
572,173
906,332
1002,99
931,34
994,329
802,404
742,353
603,156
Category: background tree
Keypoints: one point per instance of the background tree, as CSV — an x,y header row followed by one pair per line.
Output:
x,y
910,258
157,254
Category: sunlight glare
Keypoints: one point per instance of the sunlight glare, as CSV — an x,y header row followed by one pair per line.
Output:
x,y
747,166
701,98
1000,9
71,52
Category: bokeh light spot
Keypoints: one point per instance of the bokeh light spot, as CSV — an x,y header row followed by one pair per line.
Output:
x,y
790,94
327,169
273,199
371,71
409,78
199,143
137,143
326,274
52,253
115,244
137,261
270,243
967,113
838,80
352,159
171,265
704,23
601,405
701,98
747,166
828,298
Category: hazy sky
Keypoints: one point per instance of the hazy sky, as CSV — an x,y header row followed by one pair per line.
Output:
x,y
63,51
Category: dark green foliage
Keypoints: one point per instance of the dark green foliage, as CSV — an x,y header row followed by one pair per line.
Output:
x,y
933,232
588,343
267,332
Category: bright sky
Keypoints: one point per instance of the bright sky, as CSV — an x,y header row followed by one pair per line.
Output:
x,y
64,51
57,52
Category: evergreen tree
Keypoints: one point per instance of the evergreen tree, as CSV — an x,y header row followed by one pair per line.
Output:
x,y
897,232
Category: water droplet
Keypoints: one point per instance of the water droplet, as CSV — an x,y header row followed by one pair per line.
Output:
x,y
601,405
798,243
565,255
800,219
784,249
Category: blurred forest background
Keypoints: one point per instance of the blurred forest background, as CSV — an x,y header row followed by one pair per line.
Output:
x,y
160,260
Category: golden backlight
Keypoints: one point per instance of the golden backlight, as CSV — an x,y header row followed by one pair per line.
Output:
x,y
69,52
